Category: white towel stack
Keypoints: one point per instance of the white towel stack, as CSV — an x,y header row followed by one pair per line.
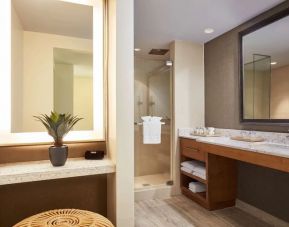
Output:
x,y
185,169
194,167
151,130
197,187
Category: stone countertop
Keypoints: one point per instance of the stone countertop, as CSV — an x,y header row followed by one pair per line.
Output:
x,y
20,172
276,149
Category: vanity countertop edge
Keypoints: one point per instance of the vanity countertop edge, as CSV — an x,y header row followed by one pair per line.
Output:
x,y
21,172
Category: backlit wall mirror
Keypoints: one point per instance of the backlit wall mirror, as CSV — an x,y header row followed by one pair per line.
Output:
x,y
265,71
56,63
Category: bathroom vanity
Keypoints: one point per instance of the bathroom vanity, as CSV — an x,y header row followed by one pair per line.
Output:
x,y
220,155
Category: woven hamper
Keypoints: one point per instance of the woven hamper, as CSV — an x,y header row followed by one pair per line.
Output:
x,y
66,218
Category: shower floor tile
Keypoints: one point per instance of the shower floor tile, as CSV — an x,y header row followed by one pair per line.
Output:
x,y
151,180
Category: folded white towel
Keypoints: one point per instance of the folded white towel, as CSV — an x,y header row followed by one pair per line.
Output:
x,y
200,170
187,170
195,165
200,175
151,130
197,187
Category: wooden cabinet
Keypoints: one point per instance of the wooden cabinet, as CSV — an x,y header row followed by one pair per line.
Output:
x,y
221,176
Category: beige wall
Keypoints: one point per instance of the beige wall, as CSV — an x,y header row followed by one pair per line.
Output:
x,y
121,112
16,70
188,93
38,73
280,93
63,88
256,93
262,95
248,94
83,101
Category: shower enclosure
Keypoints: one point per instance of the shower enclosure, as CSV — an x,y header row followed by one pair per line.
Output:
x,y
152,98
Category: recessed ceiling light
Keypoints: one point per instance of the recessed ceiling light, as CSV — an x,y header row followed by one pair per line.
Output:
x,y
273,63
137,49
209,30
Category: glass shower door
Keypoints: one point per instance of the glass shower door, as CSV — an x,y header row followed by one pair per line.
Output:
x,y
152,98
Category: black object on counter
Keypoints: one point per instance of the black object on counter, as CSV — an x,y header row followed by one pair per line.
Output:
x,y
94,155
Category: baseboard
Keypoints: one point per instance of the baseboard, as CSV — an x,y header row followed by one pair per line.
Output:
x,y
260,214
159,192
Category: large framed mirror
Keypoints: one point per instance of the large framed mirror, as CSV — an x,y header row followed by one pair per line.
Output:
x,y
264,71
52,60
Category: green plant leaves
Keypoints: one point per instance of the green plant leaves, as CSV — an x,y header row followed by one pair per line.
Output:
x,y
58,125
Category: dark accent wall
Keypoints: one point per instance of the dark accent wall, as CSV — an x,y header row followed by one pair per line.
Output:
x,y
263,188
222,79
18,201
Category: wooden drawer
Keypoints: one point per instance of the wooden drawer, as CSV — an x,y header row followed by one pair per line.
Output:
x,y
189,143
194,154
190,149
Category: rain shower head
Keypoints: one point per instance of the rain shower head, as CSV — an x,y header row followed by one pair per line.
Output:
x,y
158,51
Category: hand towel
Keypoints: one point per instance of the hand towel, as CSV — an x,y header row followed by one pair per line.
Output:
x,y
151,130
197,187
146,118
186,170
154,118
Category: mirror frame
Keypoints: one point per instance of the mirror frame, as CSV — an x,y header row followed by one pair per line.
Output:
x,y
99,108
256,26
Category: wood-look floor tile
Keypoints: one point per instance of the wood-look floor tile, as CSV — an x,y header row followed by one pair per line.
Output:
x,y
180,211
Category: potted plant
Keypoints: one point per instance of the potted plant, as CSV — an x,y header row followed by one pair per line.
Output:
x,y
58,125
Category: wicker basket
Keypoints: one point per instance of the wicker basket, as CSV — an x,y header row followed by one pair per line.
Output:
x,y
66,218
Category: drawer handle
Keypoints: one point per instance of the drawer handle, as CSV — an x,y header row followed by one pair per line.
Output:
x,y
193,149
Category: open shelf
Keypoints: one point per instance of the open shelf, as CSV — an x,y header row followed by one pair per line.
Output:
x,y
199,197
194,177
221,175
190,151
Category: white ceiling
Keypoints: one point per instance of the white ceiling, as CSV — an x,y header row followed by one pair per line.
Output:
x,y
271,40
55,17
158,22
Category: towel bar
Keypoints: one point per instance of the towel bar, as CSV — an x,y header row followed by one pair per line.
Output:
x,y
140,123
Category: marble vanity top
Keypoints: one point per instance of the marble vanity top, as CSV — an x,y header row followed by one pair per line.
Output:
x,y
270,147
21,172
